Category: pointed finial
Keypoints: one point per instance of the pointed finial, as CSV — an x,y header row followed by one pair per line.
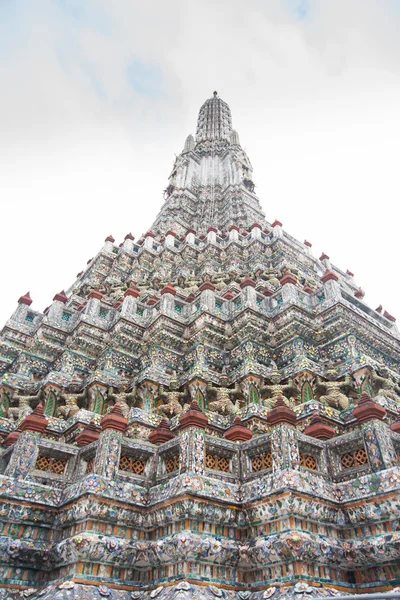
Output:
x,y
162,433
238,432
317,428
280,413
89,434
367,409
35,421
114,419
26,299
60,297
215,94
193,417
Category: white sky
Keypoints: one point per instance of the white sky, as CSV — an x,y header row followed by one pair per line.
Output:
x,y
97,95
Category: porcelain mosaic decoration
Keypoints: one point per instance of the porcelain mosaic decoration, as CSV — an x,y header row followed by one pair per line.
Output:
x,y
209,411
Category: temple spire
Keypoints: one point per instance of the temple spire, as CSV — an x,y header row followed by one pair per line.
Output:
x,y
211,183
214,121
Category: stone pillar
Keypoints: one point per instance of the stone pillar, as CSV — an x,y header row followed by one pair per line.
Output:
x,y
167,299
234,233
207,298
190,236
331,284
22,309
24,455
128,243
289,292
57,307
212,234
108,453
192,440
170,238
93,305
277,228
130,303
377,436
379,445
324,258
109,446
284,444
255,231
285,449
109,244
249,292
149,240
25,448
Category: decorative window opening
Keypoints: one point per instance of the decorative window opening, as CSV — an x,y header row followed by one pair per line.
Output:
x,y
254,397
172,463
307,393
279,300
308,461
89,466
139,311
321,297
218,304
50,408
365,387
29,317
66,316
217,463
178,308
103,312
261,462
259,301
356,458
51,464
200,399
130,464
99,404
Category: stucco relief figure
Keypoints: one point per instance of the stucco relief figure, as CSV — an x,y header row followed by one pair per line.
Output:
x,y
223,403
385,385
124,398
71,403
333,394
70,407
21,405
172,400
275,389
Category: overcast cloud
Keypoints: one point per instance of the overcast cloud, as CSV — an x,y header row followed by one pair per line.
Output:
x,y
98,95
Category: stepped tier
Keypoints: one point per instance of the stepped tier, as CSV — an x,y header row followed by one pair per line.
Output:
x,y
209,403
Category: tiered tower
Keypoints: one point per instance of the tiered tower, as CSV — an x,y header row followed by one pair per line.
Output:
x,y
210,411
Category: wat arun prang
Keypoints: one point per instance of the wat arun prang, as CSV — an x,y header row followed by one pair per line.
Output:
x,y
209,411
